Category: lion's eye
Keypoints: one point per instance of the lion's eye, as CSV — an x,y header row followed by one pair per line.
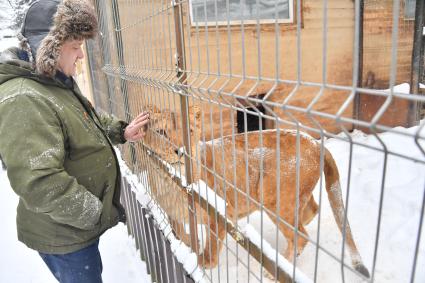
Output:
x,y
162,132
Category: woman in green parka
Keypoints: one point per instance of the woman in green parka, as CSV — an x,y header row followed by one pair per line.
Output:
x,y
56,147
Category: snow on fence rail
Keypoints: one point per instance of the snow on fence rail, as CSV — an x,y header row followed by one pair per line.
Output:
x,y
140,191
265,155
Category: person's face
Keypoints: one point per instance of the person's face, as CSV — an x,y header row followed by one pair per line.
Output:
x,y
70,53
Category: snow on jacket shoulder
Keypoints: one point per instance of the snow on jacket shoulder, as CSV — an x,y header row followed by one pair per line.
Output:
x,y
59,159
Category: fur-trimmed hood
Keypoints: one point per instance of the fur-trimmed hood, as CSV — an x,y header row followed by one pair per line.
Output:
x,y
73,19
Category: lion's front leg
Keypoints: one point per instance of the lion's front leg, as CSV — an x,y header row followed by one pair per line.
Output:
x,y
214,241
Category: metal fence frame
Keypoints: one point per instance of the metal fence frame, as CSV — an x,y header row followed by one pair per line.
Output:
x,y
192,85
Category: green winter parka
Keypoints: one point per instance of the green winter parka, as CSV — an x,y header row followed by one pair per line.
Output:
x,y
59,158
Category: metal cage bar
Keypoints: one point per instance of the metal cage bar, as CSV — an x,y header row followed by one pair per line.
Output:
x,y
247,101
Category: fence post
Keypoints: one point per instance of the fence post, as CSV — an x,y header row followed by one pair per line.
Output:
x,y
356,104
121,62
100,45
182,77
417,61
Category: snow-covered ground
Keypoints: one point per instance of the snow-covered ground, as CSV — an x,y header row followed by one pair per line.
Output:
x,y
19,264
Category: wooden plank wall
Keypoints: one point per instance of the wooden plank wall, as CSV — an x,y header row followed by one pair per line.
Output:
x,y
378,27
149,49
210,55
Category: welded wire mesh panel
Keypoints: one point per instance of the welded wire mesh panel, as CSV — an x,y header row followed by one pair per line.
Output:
x,y
284,142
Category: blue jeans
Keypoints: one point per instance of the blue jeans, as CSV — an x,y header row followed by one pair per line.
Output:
x,y
82,266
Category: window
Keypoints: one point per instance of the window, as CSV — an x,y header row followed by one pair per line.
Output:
x,y
409,9
210,12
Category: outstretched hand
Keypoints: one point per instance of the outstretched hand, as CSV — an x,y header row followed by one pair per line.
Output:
x,y
136,129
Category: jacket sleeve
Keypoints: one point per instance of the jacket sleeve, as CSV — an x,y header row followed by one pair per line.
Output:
x,y
114,127
32,146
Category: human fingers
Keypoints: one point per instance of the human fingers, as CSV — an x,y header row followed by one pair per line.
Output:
x,y
140,123
142,116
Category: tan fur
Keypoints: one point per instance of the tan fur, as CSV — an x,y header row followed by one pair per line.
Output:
x,y
165,135
227,156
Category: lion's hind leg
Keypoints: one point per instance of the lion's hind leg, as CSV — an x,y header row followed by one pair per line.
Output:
x,y
309,211
287,229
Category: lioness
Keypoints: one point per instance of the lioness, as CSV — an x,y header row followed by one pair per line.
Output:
x,y
263,166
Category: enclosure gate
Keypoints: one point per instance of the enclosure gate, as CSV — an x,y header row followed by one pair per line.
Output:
x,y
242,96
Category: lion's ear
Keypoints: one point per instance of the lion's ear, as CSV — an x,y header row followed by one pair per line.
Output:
x,y
152,108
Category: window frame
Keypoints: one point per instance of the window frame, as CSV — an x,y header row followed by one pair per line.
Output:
x,y
405,10
289,20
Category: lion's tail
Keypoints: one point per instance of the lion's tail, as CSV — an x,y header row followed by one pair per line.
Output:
x,y
333,188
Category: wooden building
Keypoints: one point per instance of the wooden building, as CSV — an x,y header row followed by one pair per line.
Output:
x,y
301,67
